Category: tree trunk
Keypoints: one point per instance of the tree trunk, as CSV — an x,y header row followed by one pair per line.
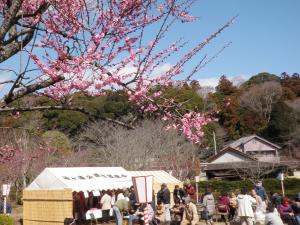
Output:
x,y
24,180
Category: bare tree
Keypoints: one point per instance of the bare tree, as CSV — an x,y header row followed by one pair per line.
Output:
x,y
204,91
149,146
261,98
255,171
182,162
25,155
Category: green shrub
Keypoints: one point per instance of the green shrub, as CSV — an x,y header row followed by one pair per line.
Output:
x,y
291,186
6,220
57,140
20,199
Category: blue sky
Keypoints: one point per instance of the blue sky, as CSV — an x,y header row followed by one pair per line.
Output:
x,y
265,36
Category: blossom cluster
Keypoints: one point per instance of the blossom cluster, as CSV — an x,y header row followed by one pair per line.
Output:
x,y
90,43
192,125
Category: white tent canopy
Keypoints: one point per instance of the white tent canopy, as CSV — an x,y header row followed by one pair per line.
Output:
x,y
83,178
160,176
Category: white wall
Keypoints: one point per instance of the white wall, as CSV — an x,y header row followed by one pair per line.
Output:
x,y
268,158
296,174
256,145
229,157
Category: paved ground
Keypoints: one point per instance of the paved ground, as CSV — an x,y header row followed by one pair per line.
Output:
x,y
18,212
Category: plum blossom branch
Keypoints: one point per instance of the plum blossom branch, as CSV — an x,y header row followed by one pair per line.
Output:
x,y
87,46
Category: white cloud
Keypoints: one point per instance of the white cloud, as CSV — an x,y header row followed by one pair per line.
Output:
x,y
160,70
213,81
239,79
5,76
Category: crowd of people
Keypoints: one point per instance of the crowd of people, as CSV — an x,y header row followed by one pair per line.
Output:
x,y
251,207
122,204
241,207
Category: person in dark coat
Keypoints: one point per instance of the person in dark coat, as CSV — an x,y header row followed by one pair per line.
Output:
x,y
178,194
132,198
164,196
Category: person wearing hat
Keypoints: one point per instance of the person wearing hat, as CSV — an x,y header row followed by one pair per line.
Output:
x,y
190,215
164,196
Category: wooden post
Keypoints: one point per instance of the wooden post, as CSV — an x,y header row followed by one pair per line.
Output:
x,y
215,142
197,180
281,178
197,194
282,188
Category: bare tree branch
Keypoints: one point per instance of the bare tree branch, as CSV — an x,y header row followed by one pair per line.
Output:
x,y
9,18
7,82
13,48
151,145
254,171
261,98
12,96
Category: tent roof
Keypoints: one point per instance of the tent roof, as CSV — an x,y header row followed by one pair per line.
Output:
x,y
82,178
160,176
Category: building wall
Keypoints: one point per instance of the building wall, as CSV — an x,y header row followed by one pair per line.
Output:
x,y
257,145
229,157
268,158
296,174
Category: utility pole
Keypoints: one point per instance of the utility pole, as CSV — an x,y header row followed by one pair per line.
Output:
x,y
215,143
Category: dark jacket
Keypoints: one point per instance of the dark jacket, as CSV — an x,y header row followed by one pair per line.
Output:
x,y
178,195
164,196
276,199
296,207
132,201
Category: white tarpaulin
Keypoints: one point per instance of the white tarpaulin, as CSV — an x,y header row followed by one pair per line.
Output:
x,y
160,176
83,178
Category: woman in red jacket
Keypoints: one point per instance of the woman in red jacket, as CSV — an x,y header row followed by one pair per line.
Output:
x,y
190,191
